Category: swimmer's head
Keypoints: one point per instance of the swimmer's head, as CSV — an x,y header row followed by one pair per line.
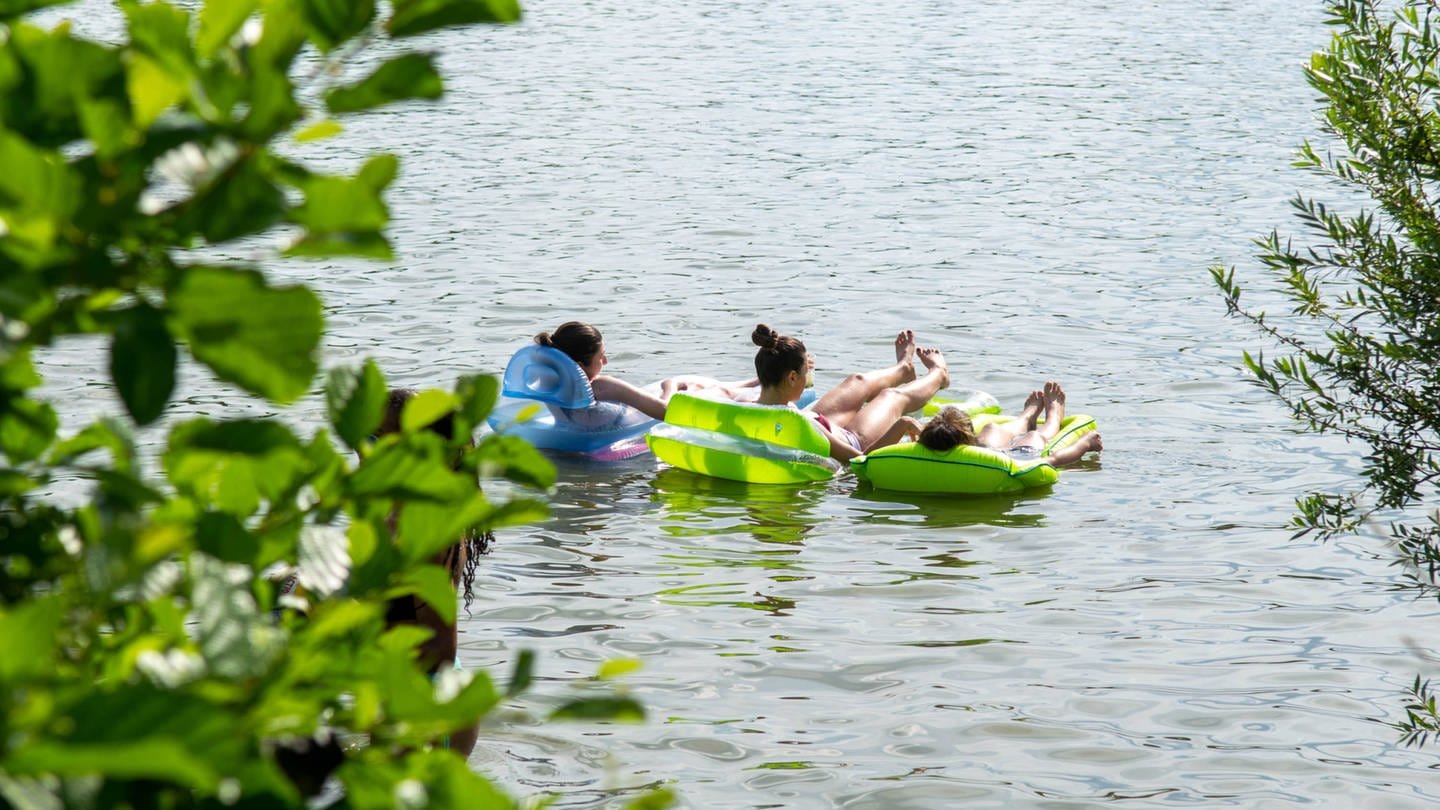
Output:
x,y
395,401
779,355
577,339
950,428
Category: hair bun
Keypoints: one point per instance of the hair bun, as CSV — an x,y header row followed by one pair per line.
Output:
x,y
544,339
764,336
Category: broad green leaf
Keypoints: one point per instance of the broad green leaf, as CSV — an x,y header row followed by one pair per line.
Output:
x,y
363,244
10,9
410,76
234,465
433,779
219,20
162,32
30,630
103,123
240,201
478,394
18,373
36,181
427,408
152,88
319,131
341,204
515,459
413,468
332,22
168,759
105,434
142,363
355,401
272,95
418,16
27,427
261,338
224,537
517,512
14,483
617,709
432,584
427,528
62,70
378,172
337,619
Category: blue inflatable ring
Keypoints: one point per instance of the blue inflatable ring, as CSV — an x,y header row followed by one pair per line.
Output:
x,y
545,398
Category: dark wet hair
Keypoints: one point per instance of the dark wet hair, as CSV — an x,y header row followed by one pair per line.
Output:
x,y
463,558
779,355
949,429
578,339
395,405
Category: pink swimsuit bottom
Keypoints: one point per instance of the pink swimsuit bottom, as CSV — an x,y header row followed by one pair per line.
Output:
x,y
843,434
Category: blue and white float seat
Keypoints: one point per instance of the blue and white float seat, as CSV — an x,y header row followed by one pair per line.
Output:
x,y
545,398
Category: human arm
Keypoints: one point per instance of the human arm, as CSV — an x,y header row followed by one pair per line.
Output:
x,y
609,389
904,427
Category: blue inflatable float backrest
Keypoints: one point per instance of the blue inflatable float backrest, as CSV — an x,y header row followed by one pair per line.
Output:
x,y
548,375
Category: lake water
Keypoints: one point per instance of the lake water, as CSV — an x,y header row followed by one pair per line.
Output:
x,y
1038,190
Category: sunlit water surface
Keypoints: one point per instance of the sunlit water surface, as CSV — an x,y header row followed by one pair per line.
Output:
x,y
1035,188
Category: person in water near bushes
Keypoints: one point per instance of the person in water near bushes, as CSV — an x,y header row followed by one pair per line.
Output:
x,y
1023,438
867,409
439,652
583,343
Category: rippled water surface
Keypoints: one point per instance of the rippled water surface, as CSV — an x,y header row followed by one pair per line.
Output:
x,y
1035,188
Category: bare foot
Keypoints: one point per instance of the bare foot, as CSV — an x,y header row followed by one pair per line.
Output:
x,y
1033,405
933,360
1054,409
905,354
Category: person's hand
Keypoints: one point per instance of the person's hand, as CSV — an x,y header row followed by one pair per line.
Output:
x,y
911,426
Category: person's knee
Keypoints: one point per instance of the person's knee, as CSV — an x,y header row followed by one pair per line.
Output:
x,y
891,395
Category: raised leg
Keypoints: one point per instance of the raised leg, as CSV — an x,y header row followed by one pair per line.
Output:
x,y
1004,435
841,403
879,414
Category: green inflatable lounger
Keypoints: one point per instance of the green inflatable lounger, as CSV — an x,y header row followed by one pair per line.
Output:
x,y
966,470
758,444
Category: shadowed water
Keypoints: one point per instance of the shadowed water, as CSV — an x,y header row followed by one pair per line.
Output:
x,y
1035,188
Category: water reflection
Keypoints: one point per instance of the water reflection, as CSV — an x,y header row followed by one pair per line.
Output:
x,y
700,506
888,508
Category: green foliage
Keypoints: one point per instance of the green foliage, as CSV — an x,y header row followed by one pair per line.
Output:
x,y
149,655
1360,346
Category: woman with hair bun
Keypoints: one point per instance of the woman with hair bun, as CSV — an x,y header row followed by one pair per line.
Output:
x,y
866,410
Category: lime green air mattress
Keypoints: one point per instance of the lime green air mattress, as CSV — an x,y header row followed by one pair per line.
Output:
x,y
758,444
966,470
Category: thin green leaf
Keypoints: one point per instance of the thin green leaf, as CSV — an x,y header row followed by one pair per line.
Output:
x,y
411,76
